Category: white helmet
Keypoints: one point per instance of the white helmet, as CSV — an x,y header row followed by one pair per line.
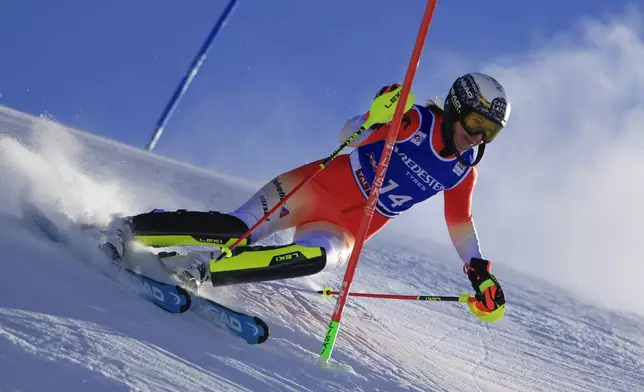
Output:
x,y
480,104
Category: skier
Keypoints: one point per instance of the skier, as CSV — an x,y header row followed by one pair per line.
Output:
x,y
433,153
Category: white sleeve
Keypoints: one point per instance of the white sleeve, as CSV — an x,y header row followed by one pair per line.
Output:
x,y
467,242
349,129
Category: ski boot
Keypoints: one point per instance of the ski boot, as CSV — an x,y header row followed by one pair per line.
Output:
x,y
190,269
115,238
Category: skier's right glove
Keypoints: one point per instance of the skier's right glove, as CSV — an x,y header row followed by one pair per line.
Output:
x,y
384,105
489,302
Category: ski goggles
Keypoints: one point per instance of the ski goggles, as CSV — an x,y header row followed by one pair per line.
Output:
x,y
475,123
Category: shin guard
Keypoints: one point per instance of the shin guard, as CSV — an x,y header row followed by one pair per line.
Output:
x,y
263,263
176,228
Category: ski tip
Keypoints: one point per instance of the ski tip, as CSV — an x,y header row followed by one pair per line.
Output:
x,y
262,338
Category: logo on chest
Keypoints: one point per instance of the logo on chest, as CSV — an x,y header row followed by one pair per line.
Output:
x,y
418,138
363,180
372,161
419,176
459,169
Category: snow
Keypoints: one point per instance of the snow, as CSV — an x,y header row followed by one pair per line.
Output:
x,y
66,326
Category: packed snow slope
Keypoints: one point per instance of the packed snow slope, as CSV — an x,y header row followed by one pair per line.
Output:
x,y
65,326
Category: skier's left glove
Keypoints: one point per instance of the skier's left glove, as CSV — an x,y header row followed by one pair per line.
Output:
x,y
489,302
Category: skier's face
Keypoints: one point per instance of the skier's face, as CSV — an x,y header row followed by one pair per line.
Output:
x,y
463,140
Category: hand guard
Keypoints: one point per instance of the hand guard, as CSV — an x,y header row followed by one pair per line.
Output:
x,y
489,302
384,105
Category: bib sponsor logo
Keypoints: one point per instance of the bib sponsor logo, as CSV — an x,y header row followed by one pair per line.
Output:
x,y
363,180
418,172
459,169
372,161
418,138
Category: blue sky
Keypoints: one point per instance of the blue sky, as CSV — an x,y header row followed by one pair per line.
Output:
x,y
281,79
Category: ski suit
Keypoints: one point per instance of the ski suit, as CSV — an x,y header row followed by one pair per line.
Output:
x,y
326,212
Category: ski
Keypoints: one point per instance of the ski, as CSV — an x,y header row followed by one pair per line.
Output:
x,y
250,328
169,297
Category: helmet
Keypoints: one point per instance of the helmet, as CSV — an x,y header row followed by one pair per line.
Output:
x,y
480,104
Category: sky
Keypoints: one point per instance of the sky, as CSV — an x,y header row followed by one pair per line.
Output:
x,y
557,194
280,74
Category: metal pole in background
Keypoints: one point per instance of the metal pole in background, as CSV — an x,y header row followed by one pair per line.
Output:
x,y
190,75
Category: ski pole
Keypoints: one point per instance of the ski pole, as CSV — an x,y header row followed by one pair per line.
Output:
x,y
379,113
328,292
469,300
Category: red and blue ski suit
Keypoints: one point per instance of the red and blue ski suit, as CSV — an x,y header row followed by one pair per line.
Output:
x,y
327,210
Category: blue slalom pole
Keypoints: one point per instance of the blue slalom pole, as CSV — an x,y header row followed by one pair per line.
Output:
x,y
190,75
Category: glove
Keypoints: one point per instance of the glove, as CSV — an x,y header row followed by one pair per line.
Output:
x,y
384,105
489,302
387,89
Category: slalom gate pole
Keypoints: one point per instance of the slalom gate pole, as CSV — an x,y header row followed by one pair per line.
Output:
x,y
334,324
189,76
463,298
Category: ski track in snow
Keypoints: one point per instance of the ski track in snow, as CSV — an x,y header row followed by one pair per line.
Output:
x,y
66,326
